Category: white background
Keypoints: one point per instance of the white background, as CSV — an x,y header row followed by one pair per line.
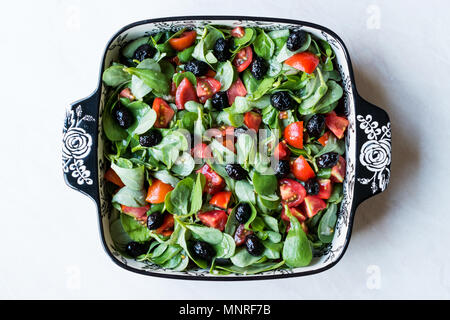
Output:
x,y
50,246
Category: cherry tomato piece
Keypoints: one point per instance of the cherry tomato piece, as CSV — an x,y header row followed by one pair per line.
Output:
x,y
292,192
185,40
164,113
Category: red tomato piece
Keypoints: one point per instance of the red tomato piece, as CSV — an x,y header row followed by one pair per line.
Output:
x,y
201,151
238,32
139,213
303,61
243,59
301,169
185,92
112,176
252,120
214,182
228,138
157,192
338,171
295,212
240,235
292,192
325,188
185,40
293,134
215,219
164,113
281,151
211,73
206,87
221,199
313,204
336,124
166,228
324,139
237,89
126,93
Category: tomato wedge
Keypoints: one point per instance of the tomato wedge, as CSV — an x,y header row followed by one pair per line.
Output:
x,y
338,171
215,219
281,151
237,89
206,87
293,134
303,61
325,188
166,228
295,212
139,213
324,139
164,113
240,234
221,199
313,204
201,151
157,191
238,32
185,40
292,192
301,169
252,120
126,93
112,176
214,182
243,59
185,92
336,124
228,138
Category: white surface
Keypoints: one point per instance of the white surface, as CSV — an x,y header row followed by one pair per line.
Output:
x,y
49,234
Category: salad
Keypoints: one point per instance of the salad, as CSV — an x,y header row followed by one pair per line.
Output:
x,y
226,149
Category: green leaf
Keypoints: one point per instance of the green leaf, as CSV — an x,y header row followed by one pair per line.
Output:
x,y
225,75
197,194
244,191
319,91
226,248
154,79
245,40
186,54
178,77
180,196
115,76
243,259
285,53
130,48
264,45
135,230
211,235
184,165
252,269
132,178
129,197
265,184
325,231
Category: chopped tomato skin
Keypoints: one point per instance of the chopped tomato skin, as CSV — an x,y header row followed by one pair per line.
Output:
x,y
336,124
243,59
157,191
126,93
185,92
238,32
338,171
214,182
185,40
221,199
139,213
166,228
303,61
293,134
324,139
302,170
313,204
325,188
292,192
295,212
201,151
240,235
206,87
215,219
112,176
281,151
252,120
237,89
164,113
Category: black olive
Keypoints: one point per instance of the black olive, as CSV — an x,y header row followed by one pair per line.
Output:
x,y
243,212
254,245
143,52
296,40
312,187
327,160
150,138
203,250
315,125
259,68
123,116
135,249
235,171
198,68
222,50
283,169
155,220
282,101
220,100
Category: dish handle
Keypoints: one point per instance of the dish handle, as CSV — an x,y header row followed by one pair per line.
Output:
x,y
373,150
79,145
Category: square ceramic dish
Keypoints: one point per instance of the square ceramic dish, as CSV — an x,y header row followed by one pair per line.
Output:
x,y
368,145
